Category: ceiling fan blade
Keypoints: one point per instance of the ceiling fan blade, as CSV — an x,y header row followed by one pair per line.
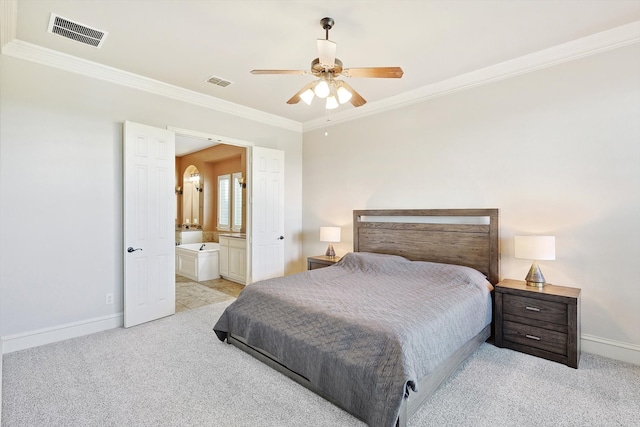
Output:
x,y
356,99
296,98
379,72
301,72
327,53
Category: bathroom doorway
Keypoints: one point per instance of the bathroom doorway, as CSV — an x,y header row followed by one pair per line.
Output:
x,y
263,183
200,162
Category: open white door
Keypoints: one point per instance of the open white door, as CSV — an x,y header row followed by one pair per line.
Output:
x,y
149,230
267,213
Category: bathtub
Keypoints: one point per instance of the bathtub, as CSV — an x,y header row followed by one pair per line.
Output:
x,y
196,264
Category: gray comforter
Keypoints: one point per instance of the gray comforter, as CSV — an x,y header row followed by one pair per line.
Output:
x,y
365,330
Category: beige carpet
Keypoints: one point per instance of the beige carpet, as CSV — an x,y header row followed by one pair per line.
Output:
x,y
175,372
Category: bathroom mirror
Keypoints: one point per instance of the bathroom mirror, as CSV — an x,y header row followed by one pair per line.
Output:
x,y
192,197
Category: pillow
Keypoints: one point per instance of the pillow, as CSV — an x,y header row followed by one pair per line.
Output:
x,y
372,262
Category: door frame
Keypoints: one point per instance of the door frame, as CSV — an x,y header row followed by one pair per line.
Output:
x,y
219,139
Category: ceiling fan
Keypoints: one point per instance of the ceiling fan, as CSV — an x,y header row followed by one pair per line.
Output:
x,y
326,67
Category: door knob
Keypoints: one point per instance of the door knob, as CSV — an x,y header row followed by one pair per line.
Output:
x,y
281,238
130,249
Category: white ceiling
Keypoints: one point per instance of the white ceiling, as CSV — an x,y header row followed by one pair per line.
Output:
x,y
184,42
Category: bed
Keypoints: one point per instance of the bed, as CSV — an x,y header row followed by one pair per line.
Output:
x,y
359,333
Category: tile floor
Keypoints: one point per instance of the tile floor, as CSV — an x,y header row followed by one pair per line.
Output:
x,y
190,294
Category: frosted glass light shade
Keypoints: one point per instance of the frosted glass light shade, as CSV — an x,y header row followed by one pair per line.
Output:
x,y
307,96
332,102
322,89
539,248
330,234
344,95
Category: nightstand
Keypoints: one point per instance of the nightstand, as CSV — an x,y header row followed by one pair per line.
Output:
x,y
543,322
321,261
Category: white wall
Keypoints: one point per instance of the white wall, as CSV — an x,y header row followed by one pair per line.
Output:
x,y
60,189
557,151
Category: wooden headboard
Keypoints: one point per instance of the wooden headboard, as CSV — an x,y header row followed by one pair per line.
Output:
x,y
466,237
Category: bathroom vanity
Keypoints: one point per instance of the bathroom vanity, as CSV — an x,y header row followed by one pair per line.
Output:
x,y
233,257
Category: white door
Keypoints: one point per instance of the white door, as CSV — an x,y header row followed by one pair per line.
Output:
x,y
267,213
149,230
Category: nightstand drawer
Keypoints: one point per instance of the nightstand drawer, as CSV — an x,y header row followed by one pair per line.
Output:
x,y
311,265
531,336
533,308
314,262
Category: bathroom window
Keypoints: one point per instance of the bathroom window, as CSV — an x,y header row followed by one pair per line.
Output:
x,y
224,202
230,202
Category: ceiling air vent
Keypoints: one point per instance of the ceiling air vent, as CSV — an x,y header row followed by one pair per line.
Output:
x,y
219,81
75,31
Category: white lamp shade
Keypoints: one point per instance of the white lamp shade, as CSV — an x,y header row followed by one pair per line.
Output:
x,y
322,89
330,234
343,94
538,248
332,102
307,96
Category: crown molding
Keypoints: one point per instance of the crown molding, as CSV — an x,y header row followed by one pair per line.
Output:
x,y
589,45
8,21
52,58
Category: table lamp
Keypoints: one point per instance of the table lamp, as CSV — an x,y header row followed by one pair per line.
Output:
x,y
536,248
331,235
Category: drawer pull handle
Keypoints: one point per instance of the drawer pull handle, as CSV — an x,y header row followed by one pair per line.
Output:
x,y
532,337
532,308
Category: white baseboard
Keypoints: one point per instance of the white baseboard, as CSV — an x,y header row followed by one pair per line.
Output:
x,y
618,350
11,343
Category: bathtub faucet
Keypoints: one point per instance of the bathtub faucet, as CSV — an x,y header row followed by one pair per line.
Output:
x,y
203,245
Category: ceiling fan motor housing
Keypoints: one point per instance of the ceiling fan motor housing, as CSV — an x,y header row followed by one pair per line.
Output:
x,y
317,68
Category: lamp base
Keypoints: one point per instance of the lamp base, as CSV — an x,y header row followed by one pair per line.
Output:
x,y
534,277
536,284
330,252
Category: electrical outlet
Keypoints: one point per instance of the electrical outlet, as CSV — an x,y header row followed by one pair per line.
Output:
x,y
109,299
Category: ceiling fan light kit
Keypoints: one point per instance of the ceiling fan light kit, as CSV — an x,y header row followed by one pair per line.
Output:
x,y
332,103
307,96
321,89
326,67
343,94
